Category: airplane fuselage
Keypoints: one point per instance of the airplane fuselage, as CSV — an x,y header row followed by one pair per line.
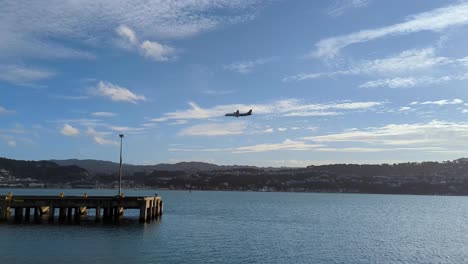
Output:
x,y
237,114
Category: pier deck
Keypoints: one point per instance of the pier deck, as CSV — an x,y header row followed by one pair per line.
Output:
x,y
71,208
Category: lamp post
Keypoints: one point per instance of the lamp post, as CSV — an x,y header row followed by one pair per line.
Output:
x,y
120,167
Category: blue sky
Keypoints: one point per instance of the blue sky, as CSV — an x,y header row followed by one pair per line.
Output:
x,y
342,81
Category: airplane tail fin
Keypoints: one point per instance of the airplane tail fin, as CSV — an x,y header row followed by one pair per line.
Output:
x,y
250,112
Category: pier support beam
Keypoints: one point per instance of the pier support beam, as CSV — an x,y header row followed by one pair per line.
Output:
x,y
161,207
4,212
51,214
143,214
18,214
98,214
77,214
62,214
69,214
150,210
27,215
156,209
36,214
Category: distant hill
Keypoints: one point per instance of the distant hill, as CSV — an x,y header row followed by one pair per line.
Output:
x,y
108,167
40,170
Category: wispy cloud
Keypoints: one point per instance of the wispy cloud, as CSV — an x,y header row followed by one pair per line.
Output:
x,y
157,51
403,63
103,114
215,129
128,39
103,141
288,144
339,7
285,107
68,130
245,67
405,108
4,111
70,97
116,93
408,82
149,49
21,75
434,20
434,133
100,137
128,129
36,29
443,102
218,92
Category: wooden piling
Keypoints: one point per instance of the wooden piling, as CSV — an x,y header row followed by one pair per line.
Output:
x,y
27,214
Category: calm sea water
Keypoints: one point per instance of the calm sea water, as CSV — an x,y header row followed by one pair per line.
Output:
x,y
252,227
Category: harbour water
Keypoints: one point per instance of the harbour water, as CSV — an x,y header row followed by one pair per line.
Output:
x,y
255,227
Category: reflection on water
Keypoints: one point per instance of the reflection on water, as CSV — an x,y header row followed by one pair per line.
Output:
x,y
84,220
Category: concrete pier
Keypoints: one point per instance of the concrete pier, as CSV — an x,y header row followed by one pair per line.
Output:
x,y
71,208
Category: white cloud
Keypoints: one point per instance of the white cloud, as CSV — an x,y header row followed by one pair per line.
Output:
x,y
128,35
234,128
34,29
149,49
177,122
11,143
218,92
394,83
373,150
280,107
408,82
434,20
116,93
92,132
127,129
103,141
281,129
404,108
68,130
409,60
246,67
103,114
70,97
443,102
435,133
287,144
157,51
100,137
313,113
21,75
339,7
413,60
4,111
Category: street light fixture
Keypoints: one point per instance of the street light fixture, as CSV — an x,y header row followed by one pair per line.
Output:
x,y
120,168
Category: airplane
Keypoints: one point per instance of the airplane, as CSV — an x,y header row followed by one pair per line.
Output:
x,y
237,114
